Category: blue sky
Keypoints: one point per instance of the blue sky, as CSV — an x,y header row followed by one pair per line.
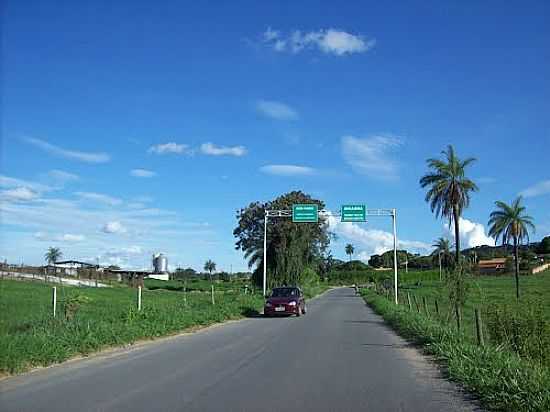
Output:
x,y
132,128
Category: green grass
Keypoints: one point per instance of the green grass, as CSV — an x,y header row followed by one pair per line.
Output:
x,y
197,285
30,337
501,379
483,292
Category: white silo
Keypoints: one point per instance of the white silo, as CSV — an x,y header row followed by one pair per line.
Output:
x,y
160,263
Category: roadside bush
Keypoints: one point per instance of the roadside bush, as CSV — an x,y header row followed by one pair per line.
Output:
x,y
309,277
521,328
72,304
340,277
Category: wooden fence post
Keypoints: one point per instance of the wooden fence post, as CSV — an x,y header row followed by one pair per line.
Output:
x,y
479,328
54,300
185,292
139,298
213,302
425,306
409,301
416,303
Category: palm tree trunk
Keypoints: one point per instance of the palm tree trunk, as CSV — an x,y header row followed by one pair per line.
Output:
x,y
516,256
456,217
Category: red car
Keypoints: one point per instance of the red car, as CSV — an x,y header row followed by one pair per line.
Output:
x,y
285,301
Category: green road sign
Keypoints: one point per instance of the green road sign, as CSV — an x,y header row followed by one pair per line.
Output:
x,y
354,213
305,213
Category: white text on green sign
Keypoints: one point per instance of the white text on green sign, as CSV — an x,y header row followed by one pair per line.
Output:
x,y
354,213
305,213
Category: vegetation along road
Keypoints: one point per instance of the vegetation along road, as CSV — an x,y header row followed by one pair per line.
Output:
x,y
340,356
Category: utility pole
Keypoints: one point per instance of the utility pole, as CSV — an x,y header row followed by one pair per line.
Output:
x,y
265,252
394,218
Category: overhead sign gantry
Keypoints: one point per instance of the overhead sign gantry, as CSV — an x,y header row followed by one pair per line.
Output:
x,y
310,213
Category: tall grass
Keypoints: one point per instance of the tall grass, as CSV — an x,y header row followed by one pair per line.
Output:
x,y
523,326
501,379
29,336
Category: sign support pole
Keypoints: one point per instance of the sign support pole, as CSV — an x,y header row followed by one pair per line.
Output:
x,y
394,218
265,252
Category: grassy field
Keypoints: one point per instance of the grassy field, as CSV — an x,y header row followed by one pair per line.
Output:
x,y
105,317
483,292
204,286
197,285
29,336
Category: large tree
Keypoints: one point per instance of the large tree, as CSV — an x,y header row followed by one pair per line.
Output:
x,y
53,255
449,189
291,247
510,222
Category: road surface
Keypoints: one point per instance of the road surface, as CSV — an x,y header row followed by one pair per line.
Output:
x,y
338,357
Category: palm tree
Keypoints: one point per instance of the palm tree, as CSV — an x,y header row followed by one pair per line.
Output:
x,y
442,246
350,250
511,222
53,255
210,267
449,189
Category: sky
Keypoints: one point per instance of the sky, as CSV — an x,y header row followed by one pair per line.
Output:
x,y
129,128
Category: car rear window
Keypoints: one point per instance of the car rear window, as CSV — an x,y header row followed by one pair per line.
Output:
x,y
284,292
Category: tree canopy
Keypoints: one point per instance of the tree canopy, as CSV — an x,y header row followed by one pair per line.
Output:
x,y
53,255
291,247
449,189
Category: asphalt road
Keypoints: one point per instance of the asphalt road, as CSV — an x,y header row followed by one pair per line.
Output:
x,y
338,357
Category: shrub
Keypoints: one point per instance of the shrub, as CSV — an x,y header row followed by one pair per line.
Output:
x,y
521,328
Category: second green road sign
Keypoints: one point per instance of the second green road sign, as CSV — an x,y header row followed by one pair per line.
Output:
x,y
305,213
354,213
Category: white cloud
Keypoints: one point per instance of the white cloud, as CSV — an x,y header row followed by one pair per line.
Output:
x,y
18,194
170,147
73,238
151,228
471,234
89,157
11,182
270,34
113,227
124,251
287,170
213,150
331,41
67,237
62,177
370,156
369,242
142,173
276,110
539,189
99,198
